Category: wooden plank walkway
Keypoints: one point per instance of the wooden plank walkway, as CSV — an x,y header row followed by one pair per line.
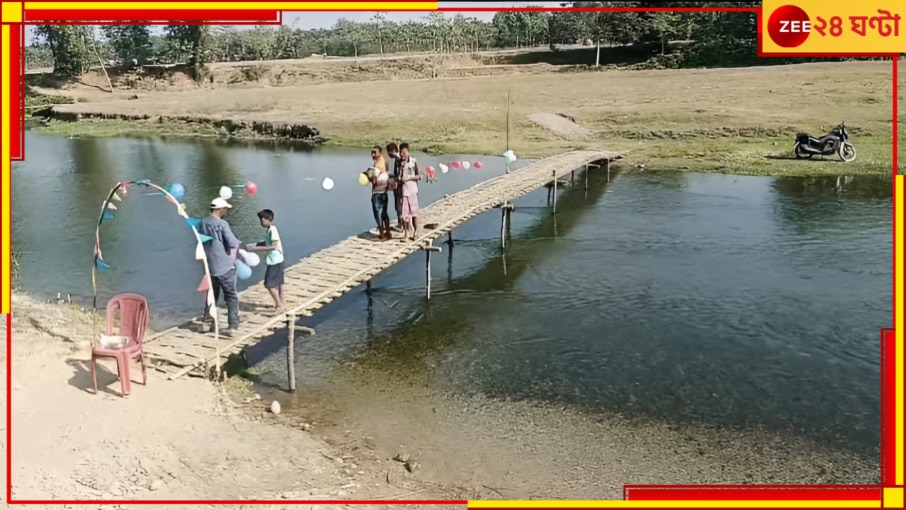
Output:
x,y
326,275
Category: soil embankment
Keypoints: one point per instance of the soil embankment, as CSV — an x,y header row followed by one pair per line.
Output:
x,y
740,120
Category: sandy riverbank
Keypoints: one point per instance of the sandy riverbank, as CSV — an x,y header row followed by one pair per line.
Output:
x,y
740,120
184,439
192,439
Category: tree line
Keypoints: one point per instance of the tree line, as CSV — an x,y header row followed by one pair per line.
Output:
x,y
72,49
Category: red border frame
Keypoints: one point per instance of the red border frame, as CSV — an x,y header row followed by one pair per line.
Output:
x,y
649,492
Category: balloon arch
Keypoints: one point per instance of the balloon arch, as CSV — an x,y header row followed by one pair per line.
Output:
x,y
173,193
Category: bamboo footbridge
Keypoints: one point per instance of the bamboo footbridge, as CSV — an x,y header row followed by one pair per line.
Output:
x,y
315,281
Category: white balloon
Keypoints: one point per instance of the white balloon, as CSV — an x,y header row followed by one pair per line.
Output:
x,y
251,258
444,168
226,193
327,183
466,165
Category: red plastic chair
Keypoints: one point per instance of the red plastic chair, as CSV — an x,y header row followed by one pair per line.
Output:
x,y
133,319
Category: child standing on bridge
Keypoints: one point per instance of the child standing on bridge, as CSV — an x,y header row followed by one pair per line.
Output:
x,y
273,276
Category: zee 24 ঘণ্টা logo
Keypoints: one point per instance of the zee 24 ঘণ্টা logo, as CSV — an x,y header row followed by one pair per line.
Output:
x,y
789,26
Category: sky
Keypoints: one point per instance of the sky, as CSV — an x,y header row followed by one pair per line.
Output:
x,y
312,20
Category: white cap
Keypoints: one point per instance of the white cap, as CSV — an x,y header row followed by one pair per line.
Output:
x,y
219,203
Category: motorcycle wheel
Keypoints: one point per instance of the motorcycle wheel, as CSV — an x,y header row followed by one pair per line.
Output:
x,y
800,152
847,152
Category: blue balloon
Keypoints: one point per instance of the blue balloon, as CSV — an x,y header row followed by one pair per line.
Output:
x,y
243,271
176,190
109,216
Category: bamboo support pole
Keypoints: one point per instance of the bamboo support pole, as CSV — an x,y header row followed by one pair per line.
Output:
x,y
428,249
502,228
290,353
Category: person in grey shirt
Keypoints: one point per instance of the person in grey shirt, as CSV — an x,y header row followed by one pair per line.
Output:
x,y
221,252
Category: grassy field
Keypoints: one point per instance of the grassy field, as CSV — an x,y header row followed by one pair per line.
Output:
x,y
740,120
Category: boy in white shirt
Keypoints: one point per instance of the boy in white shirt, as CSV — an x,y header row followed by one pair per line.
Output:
x,y
273,276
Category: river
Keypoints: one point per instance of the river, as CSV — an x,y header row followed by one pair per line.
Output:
x,y
731,301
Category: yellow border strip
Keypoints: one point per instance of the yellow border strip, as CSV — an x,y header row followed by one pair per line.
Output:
x,y
898,324
675,504
5,81
279,6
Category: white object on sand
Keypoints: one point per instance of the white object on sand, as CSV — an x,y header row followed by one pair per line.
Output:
x,y
275,407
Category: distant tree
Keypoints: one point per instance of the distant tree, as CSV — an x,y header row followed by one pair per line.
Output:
x,y
129,42
192,41
70,46
352,32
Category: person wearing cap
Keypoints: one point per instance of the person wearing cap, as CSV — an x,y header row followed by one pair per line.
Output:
x,y
221,252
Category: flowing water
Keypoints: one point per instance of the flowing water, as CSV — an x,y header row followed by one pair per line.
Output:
x,y
726,300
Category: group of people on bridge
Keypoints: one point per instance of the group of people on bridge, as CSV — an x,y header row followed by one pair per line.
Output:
x,y
400,176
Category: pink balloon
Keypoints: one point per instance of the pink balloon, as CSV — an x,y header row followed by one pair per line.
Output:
x,y
477,165
251,188
430,171
456,164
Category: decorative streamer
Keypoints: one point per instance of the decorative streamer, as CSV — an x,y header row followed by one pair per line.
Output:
x,y
193,223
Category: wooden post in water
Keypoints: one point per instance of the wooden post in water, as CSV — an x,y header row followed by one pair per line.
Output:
x,y
503,226
554,200
450,238
290,353
586,177
572,178
428,249
608,169
504,222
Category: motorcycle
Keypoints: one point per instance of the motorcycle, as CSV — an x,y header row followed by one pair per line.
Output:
x,y
834,142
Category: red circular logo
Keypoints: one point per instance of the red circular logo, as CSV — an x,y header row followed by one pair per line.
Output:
x,y
789,26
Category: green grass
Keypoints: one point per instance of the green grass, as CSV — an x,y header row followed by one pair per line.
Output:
x,y
759,154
